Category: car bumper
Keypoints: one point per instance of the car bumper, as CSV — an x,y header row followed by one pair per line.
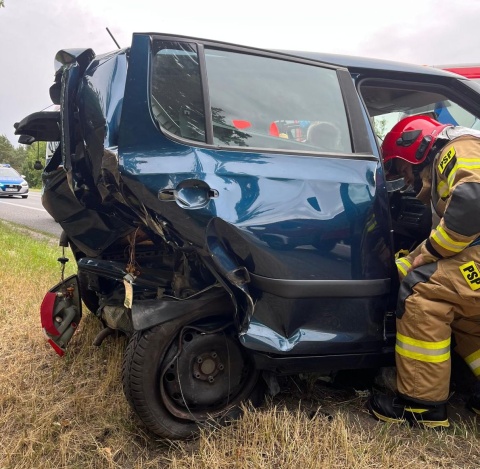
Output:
x,y
10,193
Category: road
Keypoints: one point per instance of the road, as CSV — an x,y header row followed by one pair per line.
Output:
x,y
28,212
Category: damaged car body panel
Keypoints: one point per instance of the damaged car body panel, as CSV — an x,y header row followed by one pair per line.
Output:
x,y
269,204
229,211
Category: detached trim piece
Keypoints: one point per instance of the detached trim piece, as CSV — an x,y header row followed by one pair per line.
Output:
x,y
321,288
43,126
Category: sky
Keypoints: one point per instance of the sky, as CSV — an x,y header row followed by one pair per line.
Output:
x,y
427,32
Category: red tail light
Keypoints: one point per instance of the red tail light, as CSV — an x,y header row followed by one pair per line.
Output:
x,y
46,313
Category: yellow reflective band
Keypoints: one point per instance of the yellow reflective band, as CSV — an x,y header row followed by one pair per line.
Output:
x,y
472,357
384,418
443,189
475,367
443,239
423,343
468,163
471,275
422,357
473,361
416,411
446,159
403,265
461,163
371,226
421,350
451,175
404,261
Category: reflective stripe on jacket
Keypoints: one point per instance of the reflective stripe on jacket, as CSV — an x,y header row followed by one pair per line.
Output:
x,y
455,198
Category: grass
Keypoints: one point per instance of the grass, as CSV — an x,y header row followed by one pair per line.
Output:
x,y
71,413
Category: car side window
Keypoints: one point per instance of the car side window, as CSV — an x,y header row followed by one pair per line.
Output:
x,y
266,102
176,93
255,101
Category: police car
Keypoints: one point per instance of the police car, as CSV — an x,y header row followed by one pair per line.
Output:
x,y
11,183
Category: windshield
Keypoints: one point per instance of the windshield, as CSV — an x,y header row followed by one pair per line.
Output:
x,y
8,173
389,103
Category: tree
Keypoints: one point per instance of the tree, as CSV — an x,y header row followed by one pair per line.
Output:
x,y
2,4
380,127
33,153
8,154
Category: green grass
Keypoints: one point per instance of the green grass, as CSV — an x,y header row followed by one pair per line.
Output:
x,y
71,413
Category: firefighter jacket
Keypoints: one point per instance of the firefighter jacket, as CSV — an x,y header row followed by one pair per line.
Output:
x,y
439,298
455,199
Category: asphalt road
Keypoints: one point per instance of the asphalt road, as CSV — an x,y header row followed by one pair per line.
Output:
x,y
28,212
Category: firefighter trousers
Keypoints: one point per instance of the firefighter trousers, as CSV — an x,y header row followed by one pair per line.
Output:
x,y
437,301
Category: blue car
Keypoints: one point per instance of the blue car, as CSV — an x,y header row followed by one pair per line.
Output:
x,y
229,211
11,183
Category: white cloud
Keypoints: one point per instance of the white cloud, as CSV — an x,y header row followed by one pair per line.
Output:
x,y
32,31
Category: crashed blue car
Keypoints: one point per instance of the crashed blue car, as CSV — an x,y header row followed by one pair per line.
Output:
x,y
229,211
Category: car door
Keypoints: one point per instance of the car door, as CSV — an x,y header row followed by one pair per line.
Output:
x,y
267,166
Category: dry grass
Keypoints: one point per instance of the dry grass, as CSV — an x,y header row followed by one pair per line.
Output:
x,y
71,413
285,438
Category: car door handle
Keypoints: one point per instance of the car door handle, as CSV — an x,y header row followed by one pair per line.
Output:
x,y
190,194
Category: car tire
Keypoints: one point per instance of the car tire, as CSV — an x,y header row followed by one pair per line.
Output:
x,y
183,375
24,196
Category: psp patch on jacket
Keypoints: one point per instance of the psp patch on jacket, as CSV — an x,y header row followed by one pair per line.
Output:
x,y
448,158
471,274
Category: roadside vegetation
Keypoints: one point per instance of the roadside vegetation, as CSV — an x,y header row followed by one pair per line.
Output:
x,y
70,413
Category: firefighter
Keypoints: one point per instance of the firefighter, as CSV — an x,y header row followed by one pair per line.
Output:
x,y
440,288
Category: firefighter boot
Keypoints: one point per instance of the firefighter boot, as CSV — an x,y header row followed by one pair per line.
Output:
x,y
398,410
473,402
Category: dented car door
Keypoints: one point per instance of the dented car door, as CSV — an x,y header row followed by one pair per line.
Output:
x,y
218,142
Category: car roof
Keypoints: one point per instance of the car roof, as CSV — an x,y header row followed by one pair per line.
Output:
x,y
357,63
353,63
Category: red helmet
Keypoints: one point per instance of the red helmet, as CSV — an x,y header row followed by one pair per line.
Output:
x,y
411,139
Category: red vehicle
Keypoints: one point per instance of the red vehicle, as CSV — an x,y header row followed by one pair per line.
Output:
x,y
471,71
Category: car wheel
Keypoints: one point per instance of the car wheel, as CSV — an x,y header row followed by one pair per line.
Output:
x,y
24,196
182,375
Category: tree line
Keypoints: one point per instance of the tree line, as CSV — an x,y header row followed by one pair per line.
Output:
x,y
23,158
